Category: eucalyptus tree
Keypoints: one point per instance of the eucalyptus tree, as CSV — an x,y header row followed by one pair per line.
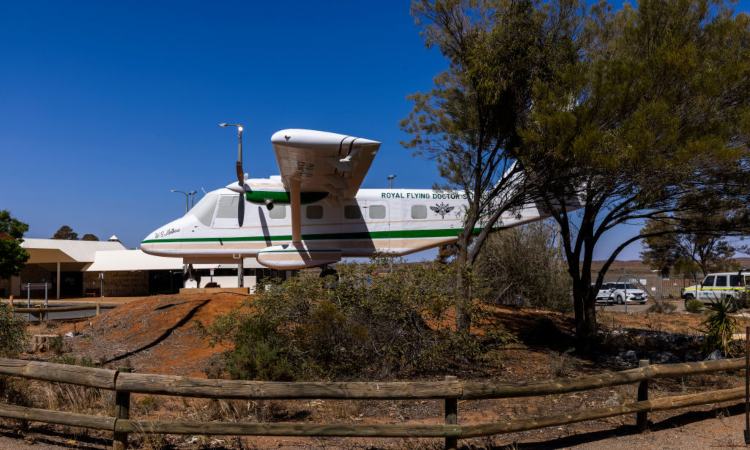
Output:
x,y
688,252
650,119
469,122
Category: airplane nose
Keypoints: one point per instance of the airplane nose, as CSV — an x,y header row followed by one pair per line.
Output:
x,y
172,230
147,242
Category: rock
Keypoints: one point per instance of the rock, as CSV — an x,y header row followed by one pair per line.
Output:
x,y
714,355
630,356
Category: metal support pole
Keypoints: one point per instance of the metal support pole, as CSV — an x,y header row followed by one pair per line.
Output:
x,y
641,418
58,281
28,299
241,272
46,305
451,417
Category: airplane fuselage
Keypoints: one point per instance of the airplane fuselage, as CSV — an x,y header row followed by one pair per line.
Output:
x,y
376,221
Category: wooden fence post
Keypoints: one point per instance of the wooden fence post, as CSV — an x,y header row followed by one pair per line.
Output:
x,y
451,417
122,411
641,418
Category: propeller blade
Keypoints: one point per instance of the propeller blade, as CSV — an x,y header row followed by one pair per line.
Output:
x,y
240,173
241,209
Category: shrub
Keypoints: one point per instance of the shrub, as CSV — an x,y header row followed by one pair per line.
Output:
x,y
662,308
694,306
719,326
374,322
13,336
525,266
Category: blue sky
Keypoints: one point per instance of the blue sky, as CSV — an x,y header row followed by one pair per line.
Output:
x,y
106,106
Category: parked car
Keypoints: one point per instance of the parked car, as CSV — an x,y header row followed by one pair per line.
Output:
x,y
624,293
721,285
604,295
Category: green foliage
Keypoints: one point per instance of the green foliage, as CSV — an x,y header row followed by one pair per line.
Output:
x,y
672,245
526,264
694,306
12,255
66,233
719,326
647,117
12,227
12,333
373,322
90,237
469,122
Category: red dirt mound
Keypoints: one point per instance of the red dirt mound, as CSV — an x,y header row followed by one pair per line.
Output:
x,y
154,334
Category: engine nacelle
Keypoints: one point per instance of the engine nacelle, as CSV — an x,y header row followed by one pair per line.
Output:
x,y
296,256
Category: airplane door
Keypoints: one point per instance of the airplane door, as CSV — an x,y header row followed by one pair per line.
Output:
x,y
378,218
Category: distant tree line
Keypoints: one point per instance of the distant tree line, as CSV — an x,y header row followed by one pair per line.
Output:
x,y
65,232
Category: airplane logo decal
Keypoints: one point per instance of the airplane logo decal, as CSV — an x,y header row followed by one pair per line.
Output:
x,y
442,209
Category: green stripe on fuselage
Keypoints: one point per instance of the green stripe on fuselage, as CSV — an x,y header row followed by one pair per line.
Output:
x,y
445,232
282,197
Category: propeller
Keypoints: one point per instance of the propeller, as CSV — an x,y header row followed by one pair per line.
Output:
x,y
240,173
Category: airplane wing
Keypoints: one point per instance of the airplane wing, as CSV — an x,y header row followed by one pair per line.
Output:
x,y
322,161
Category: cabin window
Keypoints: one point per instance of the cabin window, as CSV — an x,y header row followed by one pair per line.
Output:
x,y
418,212
721,281
278,212
735,281
315,212
377,212
709,281
352,212
228,207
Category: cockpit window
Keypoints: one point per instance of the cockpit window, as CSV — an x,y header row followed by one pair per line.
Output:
x,y
227,207
204,209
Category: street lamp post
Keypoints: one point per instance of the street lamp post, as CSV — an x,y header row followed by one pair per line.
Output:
x,y
240,173
241,180
187,195
390,181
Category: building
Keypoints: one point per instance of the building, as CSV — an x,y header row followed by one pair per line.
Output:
x,y
92,268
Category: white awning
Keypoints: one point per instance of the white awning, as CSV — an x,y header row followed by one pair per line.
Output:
x,y
131,261
43,251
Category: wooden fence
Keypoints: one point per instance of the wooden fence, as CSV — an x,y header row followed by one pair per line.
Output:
x,y
124,383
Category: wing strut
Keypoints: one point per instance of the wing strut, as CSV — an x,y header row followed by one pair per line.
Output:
x,y
294,194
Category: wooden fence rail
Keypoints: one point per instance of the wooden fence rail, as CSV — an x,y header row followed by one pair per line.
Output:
x,y
449,390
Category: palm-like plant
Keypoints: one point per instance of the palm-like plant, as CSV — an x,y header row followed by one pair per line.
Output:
x,y
719,326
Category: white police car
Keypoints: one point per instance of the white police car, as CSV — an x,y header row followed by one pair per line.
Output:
x,y
720,285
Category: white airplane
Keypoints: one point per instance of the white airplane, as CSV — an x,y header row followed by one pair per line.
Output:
x,y
315,213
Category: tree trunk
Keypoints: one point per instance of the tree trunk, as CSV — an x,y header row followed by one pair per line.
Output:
x,y
584,304
463,288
